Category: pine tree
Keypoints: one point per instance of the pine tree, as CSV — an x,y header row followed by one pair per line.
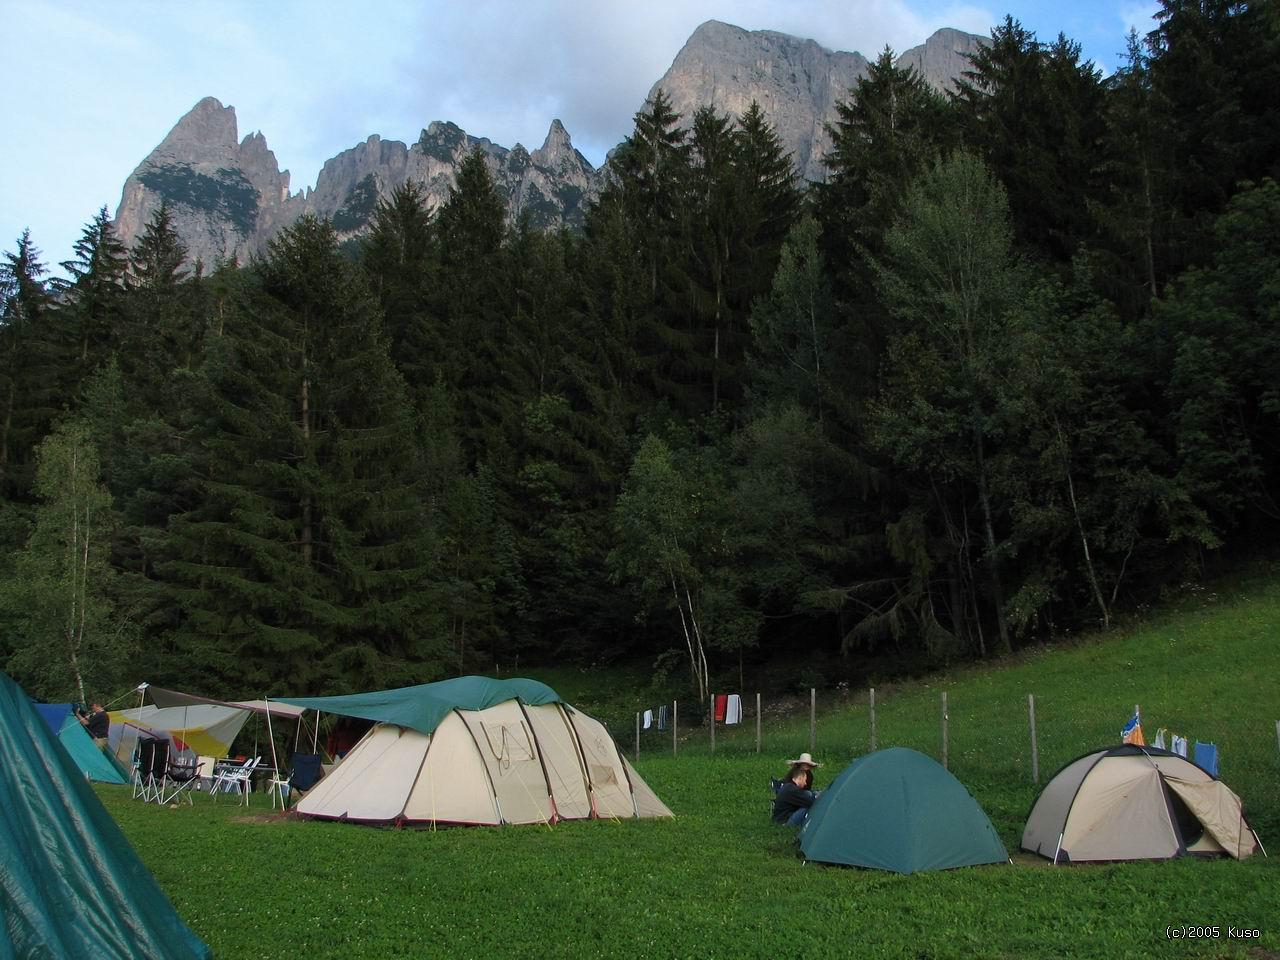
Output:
x,y
310,552
92,296
28,402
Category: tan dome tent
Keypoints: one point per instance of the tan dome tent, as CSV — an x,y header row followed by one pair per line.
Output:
x,y
1136,803
476,751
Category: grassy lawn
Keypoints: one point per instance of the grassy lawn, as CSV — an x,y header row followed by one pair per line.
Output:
x,y
721,881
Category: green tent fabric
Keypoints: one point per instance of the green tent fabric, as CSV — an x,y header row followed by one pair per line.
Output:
x,y
423,707
70,884
899,810
87,755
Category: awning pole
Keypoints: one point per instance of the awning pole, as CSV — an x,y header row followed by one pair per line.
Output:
x,y
315,733
270,736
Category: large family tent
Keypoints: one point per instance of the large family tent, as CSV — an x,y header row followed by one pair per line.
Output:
x,y
476,751
1132,802
70,884
899,810
84,753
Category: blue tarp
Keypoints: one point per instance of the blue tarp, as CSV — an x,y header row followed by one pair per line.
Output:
x,y
422,707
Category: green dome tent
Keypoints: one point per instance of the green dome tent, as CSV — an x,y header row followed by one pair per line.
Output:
x,y
899,810
70,884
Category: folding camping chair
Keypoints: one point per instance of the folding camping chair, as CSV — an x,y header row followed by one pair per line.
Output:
x,y
236,777
150,767
179,779
304,775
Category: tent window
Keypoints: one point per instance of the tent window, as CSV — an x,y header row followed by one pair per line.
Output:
x,y
509,742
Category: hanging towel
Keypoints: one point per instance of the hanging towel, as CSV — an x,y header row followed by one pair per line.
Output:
x,y
1178,745
722,704
1159,742
1132,732
733,712
1207,757
648,719
662,717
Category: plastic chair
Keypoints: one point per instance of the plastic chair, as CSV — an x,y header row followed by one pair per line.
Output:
x,y
237,778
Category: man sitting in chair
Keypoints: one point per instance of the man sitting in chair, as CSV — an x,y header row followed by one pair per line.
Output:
x,y
796,794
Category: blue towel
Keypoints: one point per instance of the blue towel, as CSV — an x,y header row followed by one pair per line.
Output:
x,y
662,717
1207,757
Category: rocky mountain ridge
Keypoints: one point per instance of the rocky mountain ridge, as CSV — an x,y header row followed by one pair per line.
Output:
x,y
229,196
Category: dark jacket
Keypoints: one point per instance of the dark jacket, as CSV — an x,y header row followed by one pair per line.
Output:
x,y
98,725
789,799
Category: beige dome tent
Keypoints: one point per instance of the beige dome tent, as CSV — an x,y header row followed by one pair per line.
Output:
x,y
476,751
1136,803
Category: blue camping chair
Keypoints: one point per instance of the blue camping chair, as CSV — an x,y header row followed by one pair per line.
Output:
x,y
1206,757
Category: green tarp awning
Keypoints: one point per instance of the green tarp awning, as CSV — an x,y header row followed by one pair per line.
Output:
x,y
70,884
422,707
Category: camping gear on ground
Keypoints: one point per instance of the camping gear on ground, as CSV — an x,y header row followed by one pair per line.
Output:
x,y
475,750
70,884
899,810
1132,732
1135,803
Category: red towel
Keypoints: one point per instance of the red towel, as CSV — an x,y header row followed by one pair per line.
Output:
x,y
722,701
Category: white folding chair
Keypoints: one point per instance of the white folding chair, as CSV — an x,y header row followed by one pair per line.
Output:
x,y
237,778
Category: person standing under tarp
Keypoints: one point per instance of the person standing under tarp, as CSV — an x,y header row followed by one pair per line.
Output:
x,y
96,723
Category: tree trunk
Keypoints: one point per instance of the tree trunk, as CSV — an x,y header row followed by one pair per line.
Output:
x,y
989,536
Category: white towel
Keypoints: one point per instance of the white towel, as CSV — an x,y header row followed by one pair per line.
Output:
x,y
1179,745
1159,743
733,710
648,719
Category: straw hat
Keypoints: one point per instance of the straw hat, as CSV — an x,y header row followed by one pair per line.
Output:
x,y
804,760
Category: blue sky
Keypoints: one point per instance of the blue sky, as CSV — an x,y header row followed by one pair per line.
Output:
x,y
95,85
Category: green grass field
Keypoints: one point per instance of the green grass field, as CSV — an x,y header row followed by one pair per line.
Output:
x,y
721,881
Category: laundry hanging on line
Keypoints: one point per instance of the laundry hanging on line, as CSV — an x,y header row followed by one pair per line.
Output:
x,y
721,705
648,719
662,717
733,709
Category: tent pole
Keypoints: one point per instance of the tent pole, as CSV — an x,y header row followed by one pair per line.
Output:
x,y
1059,848
315,733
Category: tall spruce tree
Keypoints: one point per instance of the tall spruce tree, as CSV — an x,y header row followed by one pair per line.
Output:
x,y
310,553
90,311
28,401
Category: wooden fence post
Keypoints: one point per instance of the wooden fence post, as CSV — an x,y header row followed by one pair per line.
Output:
x,y
873,719
637,736
944,731
713,723
675,724
1278,734
813,720
1035,749
758,723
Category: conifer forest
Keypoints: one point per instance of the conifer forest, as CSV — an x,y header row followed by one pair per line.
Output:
x,y
1010,371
